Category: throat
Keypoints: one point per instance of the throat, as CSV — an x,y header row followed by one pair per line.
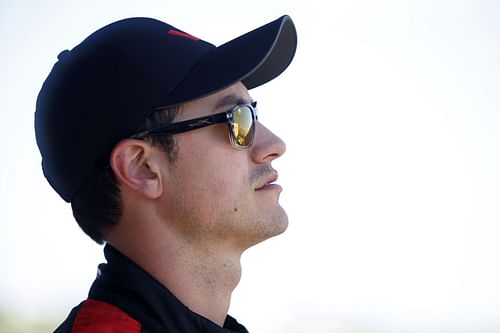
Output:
x,y
207,288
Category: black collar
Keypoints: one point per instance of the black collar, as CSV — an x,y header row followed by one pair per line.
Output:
x,y
127,286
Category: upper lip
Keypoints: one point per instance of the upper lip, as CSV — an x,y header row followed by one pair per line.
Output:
x,y
269,178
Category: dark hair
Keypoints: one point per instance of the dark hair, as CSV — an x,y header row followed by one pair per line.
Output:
x,y
97,205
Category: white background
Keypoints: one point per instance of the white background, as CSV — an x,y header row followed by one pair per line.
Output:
x,y
390,111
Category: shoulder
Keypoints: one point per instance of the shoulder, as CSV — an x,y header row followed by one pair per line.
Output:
x,y
93,316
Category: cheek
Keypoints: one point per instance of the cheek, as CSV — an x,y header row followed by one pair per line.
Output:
x,y
211,175
221,184
210,172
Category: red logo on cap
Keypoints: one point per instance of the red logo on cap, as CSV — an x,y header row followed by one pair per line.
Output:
x,y
182,34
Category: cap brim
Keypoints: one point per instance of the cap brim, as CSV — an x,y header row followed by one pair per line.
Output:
x,y
253,58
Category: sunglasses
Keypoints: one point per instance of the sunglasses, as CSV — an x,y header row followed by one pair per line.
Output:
x,y
240,121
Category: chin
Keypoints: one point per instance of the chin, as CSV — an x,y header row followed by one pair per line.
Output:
x,y
273,225
281,224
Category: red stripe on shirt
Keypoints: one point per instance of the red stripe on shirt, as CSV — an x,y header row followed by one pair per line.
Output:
x,y
100,317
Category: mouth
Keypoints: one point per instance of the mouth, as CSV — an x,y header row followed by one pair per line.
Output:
x,y
268,182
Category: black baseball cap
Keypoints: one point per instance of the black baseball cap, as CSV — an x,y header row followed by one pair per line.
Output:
x,y
103,90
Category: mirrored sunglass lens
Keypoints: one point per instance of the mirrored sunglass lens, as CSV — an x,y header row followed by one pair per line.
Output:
x,y
243,126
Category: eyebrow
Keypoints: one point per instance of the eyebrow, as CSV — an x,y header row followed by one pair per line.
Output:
x,y
230,101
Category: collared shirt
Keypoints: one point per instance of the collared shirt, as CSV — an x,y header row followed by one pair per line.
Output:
x,y
126,299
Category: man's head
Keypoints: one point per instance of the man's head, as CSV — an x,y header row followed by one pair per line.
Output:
x,y
138,74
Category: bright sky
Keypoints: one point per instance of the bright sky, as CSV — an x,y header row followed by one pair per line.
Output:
x,y
390,111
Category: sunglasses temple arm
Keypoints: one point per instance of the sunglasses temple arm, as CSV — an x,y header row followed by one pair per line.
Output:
x,y
183,126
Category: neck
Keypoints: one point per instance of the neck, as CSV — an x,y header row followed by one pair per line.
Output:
x,y
202,277
206,283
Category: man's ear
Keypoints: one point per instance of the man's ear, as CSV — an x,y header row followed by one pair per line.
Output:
x,y
137,166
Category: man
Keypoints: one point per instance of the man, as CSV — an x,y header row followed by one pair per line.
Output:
x,y
151,134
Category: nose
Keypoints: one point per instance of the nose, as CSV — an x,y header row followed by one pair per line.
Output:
x,y
266,146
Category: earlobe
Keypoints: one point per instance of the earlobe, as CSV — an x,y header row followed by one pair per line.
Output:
x,y
135,165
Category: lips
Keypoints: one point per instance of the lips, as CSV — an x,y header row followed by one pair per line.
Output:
x,y
267,181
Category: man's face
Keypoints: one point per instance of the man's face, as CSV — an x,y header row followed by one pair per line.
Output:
x,y
218,193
